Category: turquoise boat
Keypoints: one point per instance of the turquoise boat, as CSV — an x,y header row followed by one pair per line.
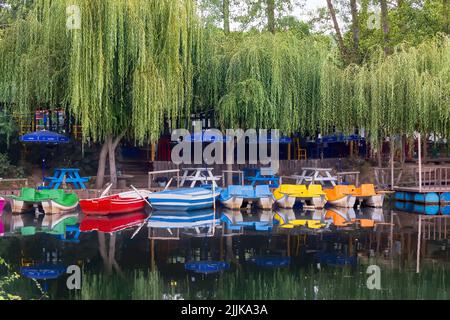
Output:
x,y
233,197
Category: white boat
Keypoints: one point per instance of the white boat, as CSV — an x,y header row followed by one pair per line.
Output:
x,y
185,199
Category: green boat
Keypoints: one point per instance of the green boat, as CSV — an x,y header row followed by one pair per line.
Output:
x,y
52,201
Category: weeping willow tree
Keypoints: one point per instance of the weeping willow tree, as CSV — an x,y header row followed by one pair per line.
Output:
x,y
264,81
133,64
299,85
129,66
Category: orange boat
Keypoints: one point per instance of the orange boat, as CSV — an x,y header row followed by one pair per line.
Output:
x,y
346,196
341,196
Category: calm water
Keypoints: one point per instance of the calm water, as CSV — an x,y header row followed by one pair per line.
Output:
x,y
226,255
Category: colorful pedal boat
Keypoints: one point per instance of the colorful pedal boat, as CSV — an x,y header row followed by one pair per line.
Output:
x,y
185,199
341,196
367,195
121,203
287,194
52,201
346,196
234,196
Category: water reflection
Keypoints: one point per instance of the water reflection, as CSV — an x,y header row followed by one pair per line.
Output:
x,y
212,245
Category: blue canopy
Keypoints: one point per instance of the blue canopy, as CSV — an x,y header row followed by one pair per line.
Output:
x,y
44,136
43,271
207,267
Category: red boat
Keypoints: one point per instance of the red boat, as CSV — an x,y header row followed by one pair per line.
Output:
x,y
112,224
116,204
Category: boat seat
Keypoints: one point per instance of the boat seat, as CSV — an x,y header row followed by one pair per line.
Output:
x,y
27,193
368,190
262,191
241,191
315,189
293,189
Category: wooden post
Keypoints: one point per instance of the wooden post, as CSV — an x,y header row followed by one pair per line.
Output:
x,y
419,146
289,151
419,237
392,162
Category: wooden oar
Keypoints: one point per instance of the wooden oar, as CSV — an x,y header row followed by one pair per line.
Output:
x,y
149,216
105,192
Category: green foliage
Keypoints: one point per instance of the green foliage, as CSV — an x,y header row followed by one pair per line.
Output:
x,y
298,84
7,277
8,170
156,62
126,79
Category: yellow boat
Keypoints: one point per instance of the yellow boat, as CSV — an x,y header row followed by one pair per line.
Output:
x,y
287,194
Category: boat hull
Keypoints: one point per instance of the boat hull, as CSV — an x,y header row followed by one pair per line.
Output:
x,y
232,203
183,199
373,201
111,207
347,201
51,207
288,202
265,203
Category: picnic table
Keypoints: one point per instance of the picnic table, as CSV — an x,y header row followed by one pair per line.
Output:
x,y
316,175
194,175
264,175
68,176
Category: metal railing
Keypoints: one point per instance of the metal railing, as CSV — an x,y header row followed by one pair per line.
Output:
x,y
155,173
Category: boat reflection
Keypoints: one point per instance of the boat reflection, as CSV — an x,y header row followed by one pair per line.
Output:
x,y
170,225
112,224
311,219
64,226
236,221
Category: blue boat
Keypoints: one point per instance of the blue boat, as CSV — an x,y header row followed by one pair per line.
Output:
x,y
234,196
185,199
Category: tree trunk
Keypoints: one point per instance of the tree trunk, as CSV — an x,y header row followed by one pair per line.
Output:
x,y
425,147
226,16
112,146
355,28
271,16
101,166
385,25
340,40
